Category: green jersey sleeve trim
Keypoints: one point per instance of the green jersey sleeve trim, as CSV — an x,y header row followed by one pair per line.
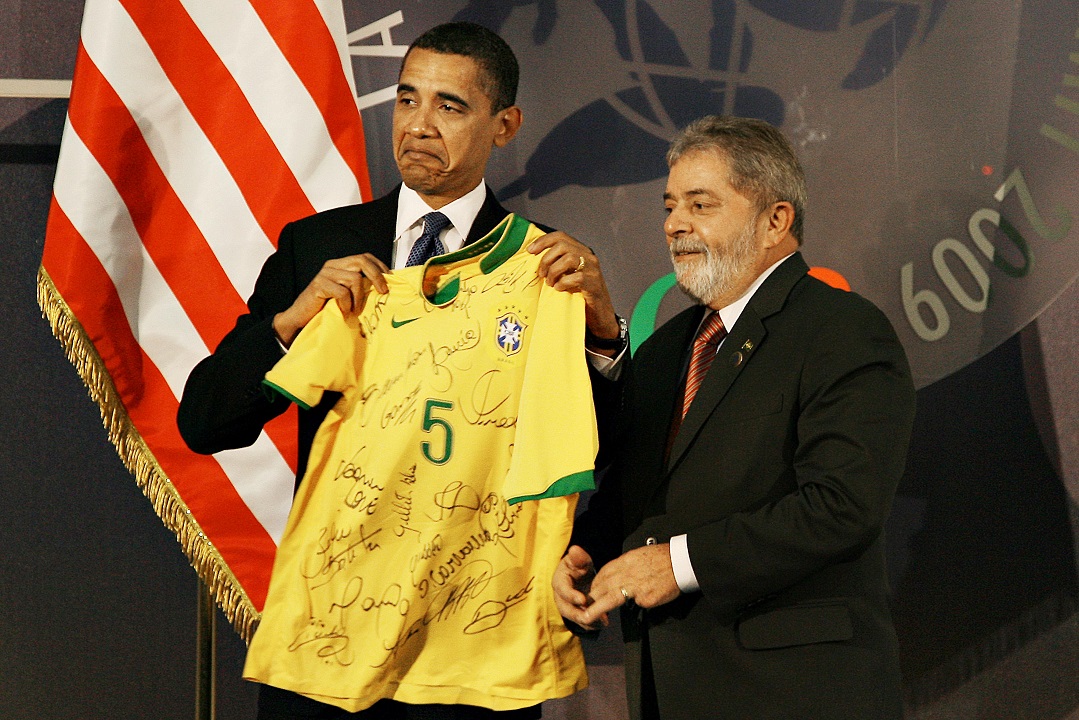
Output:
x,y
575,483
269,388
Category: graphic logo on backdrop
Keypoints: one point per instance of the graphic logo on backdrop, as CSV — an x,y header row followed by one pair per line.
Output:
x,y
960,252
668,88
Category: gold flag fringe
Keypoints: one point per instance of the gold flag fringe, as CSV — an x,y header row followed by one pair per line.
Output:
x,y
138,458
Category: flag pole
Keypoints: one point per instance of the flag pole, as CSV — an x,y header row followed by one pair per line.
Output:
x,y
206,656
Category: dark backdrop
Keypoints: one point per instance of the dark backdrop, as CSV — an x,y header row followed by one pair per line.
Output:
x,y
97,603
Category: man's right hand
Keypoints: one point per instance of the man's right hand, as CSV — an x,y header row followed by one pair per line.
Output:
x,y
571,581
569,266
345,280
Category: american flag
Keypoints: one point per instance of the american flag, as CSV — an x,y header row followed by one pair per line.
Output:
x,y
196,129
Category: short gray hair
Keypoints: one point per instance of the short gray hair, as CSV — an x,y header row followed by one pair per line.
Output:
x,y
763,164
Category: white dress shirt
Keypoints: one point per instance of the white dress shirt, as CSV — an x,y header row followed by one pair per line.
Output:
x,y
411,208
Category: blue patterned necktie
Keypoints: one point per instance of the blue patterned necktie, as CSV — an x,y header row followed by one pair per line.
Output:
x,y
428,245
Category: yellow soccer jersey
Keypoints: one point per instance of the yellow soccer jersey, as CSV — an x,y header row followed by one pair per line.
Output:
x,y
440,491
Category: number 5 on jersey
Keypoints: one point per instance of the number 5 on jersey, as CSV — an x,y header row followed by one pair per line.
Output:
x,y
429,422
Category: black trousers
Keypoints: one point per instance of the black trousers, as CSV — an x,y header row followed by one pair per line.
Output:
x,y
649,702
278,704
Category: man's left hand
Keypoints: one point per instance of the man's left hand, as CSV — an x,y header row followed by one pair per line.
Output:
x,y
644,575
569,266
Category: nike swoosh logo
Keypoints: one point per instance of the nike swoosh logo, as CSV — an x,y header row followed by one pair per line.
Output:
x,y
398,323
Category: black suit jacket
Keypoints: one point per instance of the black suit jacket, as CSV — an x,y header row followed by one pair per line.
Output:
x,y
223,404
781,475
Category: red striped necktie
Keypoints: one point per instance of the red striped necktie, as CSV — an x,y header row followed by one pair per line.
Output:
x,y
705,347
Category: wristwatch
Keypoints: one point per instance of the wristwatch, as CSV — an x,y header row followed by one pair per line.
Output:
x,y
616,343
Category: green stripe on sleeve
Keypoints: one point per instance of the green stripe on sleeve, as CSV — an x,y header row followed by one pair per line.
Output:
x,y
575,483
269,386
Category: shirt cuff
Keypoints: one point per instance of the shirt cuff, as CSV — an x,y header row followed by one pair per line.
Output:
x,y
609,367
683,568
273,331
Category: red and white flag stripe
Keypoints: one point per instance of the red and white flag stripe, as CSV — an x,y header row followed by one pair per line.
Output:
x,y
197,129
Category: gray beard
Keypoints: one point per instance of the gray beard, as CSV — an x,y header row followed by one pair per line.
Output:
x,y
706,282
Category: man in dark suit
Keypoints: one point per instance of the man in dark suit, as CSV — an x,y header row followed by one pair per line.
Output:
x,y
455,103
761,436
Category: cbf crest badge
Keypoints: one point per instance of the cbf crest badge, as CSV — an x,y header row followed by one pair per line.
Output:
x,y
510,336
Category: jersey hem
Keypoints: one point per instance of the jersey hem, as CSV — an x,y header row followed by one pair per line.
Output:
x,y
445,695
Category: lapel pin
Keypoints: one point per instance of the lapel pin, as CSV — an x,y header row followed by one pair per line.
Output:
x,y
737,358
747,345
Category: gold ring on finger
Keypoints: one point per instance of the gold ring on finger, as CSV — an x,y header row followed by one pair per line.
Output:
x,y
580,265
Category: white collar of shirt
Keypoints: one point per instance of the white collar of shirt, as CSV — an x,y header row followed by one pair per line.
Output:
x,y
411,208
730,314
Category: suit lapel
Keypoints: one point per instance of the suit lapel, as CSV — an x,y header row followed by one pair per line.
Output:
x,y
491,213
364,228
737,352
657,369
384,226
669,367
